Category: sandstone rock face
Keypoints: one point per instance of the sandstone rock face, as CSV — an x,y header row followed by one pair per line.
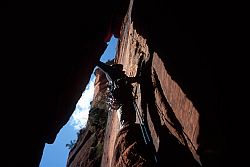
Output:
x,y
112,129
88,148
50,49
168,113
101,144
175,97
165,109
100,83
130,149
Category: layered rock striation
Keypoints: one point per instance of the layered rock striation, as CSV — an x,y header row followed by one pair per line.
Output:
x,y
176,98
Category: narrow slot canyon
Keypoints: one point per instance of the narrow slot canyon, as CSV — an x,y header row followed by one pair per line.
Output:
x,y
164,98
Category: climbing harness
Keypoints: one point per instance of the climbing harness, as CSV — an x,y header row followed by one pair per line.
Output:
x,y
115,105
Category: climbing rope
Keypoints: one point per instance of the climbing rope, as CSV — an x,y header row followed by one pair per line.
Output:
x,y
142,125
144,131
141,120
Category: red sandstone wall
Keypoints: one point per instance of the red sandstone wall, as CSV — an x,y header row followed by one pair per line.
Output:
x,y
182,107
173,120
88,149
132,45
100,82
112,129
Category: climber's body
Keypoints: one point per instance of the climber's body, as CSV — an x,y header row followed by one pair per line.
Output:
x,y
118,80
120,86
113,72
121,90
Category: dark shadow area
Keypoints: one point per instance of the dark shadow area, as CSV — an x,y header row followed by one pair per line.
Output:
x,y
146,87
45,45
174,122
49,50
192,42
174,153
170,152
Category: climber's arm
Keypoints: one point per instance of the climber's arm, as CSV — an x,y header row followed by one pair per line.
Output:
x,y
106,69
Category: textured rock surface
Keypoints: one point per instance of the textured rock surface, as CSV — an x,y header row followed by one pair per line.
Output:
x,y
49,50
177,94
101,144
88,149
130,149
168,113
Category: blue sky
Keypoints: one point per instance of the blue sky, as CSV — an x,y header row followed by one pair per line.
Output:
x,y
56,154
